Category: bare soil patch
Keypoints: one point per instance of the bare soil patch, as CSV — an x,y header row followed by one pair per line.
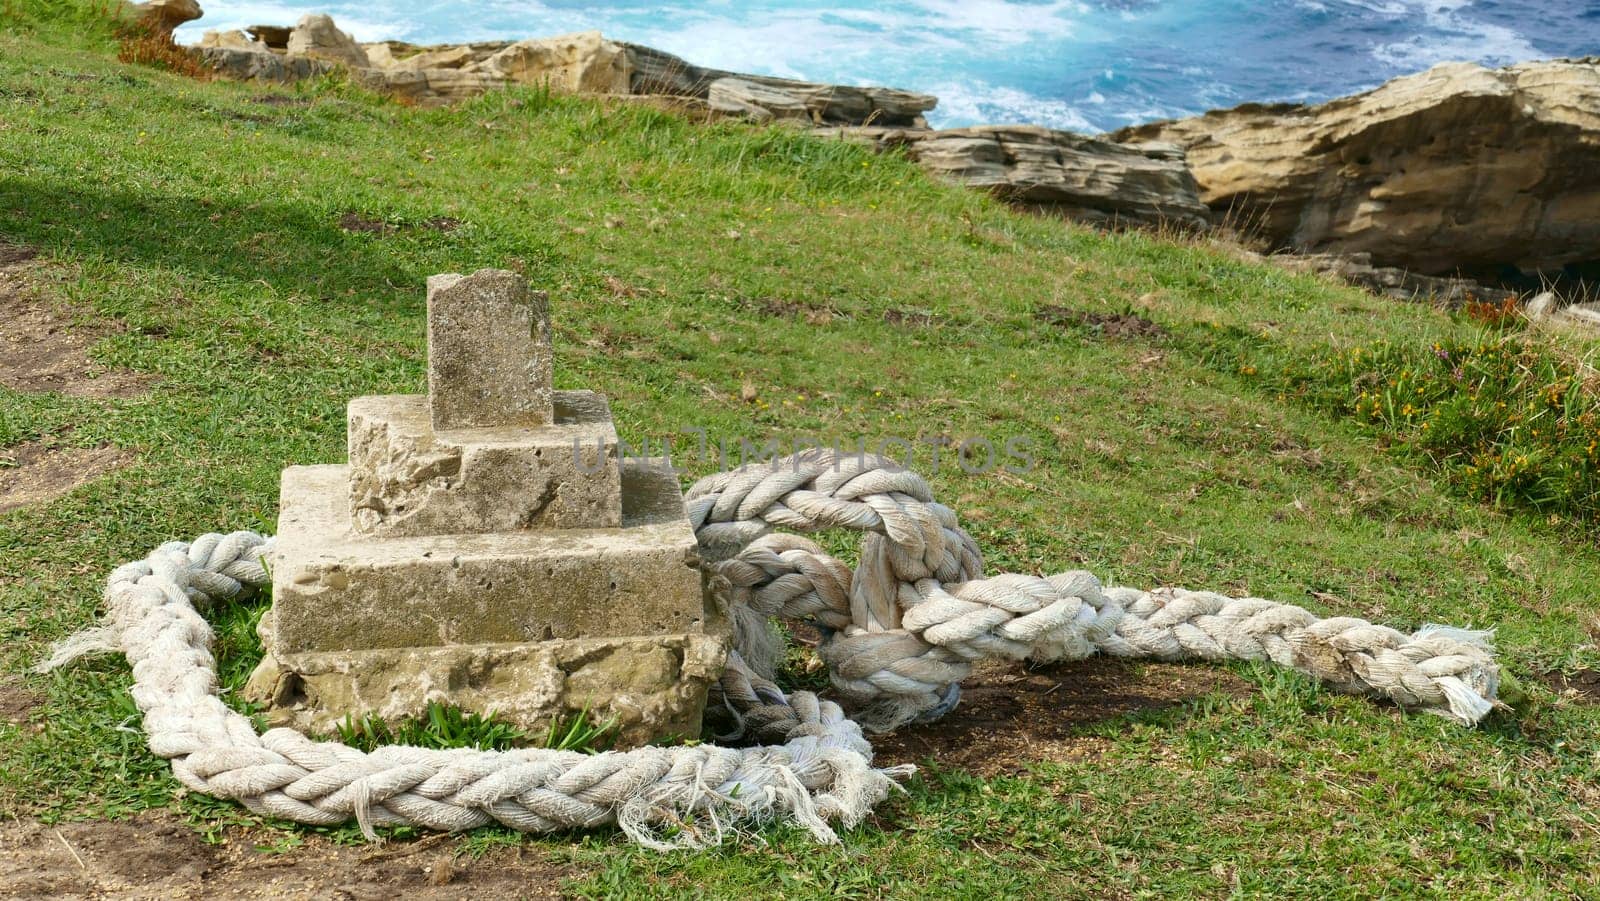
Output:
x,y
34,473
909,318
280,100
1011,716
352,221
157,856
1109,325
41,349
779,308
16,702
1584,684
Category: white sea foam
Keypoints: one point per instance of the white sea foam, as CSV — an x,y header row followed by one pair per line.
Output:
x,y
1002,22
977,103
790,44
1452,36
363,25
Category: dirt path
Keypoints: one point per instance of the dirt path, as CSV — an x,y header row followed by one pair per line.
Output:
x,y
1011,715
158,856
41,349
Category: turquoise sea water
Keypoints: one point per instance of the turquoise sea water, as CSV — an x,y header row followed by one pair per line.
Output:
x,y
1087,65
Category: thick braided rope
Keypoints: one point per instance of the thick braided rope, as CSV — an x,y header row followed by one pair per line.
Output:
x,y
661,797
899,634
903,629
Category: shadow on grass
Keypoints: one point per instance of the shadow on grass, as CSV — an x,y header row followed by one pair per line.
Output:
x,y
293,248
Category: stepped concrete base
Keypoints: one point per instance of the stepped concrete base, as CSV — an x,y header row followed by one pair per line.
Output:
x,y
408,479
653,687
487,549
337,590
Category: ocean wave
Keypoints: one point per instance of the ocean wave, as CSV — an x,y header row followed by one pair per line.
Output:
x,y
978,103
1454,37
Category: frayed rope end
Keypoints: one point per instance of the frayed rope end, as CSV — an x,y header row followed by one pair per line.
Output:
x,y
89,642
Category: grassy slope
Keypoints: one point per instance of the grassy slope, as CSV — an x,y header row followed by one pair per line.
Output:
x,y
205,223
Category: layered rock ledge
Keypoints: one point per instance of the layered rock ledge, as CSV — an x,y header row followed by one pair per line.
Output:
x,y
1085,178
1459,168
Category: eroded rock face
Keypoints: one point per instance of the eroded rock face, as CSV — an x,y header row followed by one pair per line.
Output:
x,y
1456,168
584,62
255,64
1082,177
407,479
657,72
275,37
755,101
165,15
316,37
650,687
232,40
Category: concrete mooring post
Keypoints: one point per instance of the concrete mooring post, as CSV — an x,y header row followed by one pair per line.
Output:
x,y
485,547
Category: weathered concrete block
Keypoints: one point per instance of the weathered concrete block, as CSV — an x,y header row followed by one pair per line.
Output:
x,y
486,548
488,351
408,480
335,589
655,687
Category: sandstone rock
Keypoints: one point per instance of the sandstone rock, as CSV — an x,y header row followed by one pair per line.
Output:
x,y
531,626
389,54
276,37
1585,316
261,65
583,62
452,85
1389,281
381,55
754,101
316,37
1541,306
165,15
232,40
1456,168
443,58
425,87
1544,310
1082,177
656,72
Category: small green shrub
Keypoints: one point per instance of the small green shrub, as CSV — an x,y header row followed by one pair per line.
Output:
x,y
1504,415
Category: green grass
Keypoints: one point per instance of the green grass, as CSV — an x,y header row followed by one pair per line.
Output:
x,y
445,726
855,298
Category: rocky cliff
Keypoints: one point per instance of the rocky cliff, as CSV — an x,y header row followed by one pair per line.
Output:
x,y
1073,175
1456,168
